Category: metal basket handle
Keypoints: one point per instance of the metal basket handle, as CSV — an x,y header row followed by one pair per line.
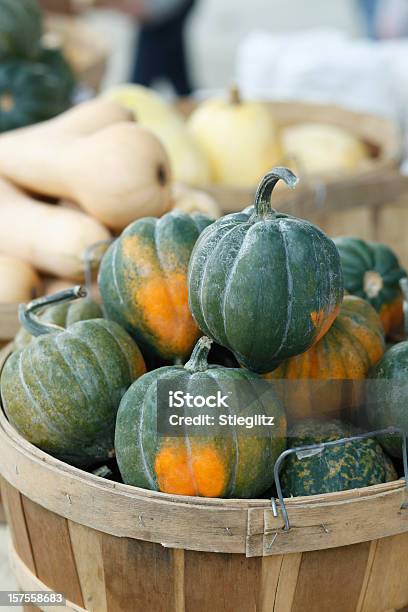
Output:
x,y
320,447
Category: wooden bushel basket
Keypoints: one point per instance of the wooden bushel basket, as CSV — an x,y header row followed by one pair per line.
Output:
x,y
111,547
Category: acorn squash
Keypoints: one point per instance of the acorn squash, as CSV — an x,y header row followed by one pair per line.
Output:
x,y
143,282
353,344
372,271
30,93
387,402
62,391
264,284
353,465
55,60
21,28
235,464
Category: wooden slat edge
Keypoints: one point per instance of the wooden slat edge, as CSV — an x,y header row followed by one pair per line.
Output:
x,y
179,578
366,580
27,581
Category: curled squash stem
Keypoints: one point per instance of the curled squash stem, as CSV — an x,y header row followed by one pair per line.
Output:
x,y
26,312
198,361
263,205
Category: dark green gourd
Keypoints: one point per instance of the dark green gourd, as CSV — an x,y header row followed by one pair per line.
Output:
x,y
264,284
236,464
387,404
62,391
30,93
371,270
356,464
21,29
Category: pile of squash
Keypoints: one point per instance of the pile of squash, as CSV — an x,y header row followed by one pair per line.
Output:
x,y
233,142
36,82
73,181
203,303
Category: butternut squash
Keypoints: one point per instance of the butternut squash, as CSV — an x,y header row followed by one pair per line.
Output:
x,y
50,238
19,282
188,161
117,173
86,118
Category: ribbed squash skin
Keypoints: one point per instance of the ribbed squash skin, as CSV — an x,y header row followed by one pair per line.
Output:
x,y
143,282
357,464
229,466
21,28
372,271
265,288
63,390
30,93
388,405
353,344
62,315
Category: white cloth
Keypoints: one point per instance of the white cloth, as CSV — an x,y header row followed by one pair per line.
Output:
x,y
325,66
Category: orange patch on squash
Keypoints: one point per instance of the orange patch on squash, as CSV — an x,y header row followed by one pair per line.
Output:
x,y
201,473
392,315
164,302
162,299
323,321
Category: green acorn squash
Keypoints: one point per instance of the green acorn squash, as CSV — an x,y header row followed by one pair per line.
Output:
x,y
387,402
354,343
62,391
21,28
353,465
264,284
372,271
62,315
30,93
235,464
143,282
55,60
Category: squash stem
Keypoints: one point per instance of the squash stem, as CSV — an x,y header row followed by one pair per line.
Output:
x,y
263,206
26,313
198,361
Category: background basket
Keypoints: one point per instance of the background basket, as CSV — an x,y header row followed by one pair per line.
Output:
x,y
378,133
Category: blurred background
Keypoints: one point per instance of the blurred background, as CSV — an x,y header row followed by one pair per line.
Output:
x,y
216,31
